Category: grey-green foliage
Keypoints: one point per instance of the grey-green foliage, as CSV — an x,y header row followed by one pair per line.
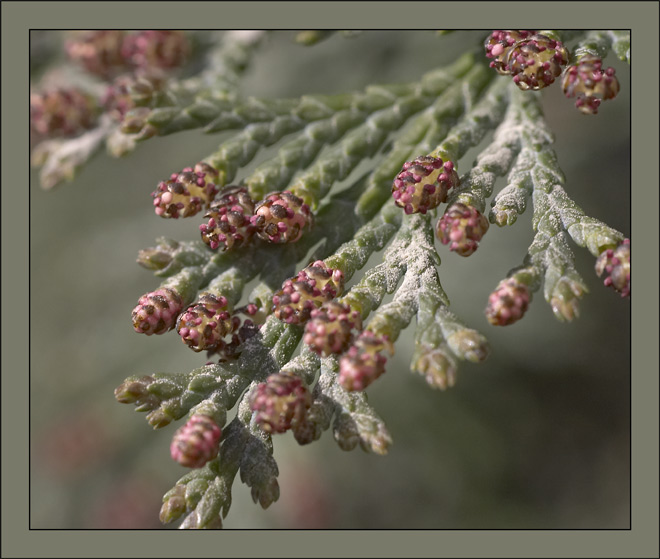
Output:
x,y
322,140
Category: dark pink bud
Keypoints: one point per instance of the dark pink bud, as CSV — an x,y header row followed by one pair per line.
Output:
x,y
461,227
156,312
423,184
508,303
229,217
182,195
363,363
313,286
197,442
615,265
330,330
281,217
280,403
585,80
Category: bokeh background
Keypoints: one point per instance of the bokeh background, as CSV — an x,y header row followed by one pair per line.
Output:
x,y
538,436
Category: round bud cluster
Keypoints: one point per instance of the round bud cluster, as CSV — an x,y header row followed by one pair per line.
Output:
x,y
498,45
229,219
126,93
281,217
330,330
508,303
156,312
590,83
299,296
156,49
203,325
615,264
536,61
423,184
62,112
99,52
461,227
187,192
197,442
280,403
363,363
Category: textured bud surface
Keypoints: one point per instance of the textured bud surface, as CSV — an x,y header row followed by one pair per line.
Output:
x,y
423,184
590,83
62,112
281,217
363,363
156,312
299,296
203,325
187,192
156,49
330,330
229,219
499,44
536,61
615,264
197,442
461,227
99,52
280,403
508,303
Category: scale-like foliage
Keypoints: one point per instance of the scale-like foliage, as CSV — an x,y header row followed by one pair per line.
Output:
x,y
412,137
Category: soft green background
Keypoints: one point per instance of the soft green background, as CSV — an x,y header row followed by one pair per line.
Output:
x,y
536,437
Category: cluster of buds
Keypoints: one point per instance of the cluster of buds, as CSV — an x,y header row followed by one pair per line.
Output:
x,y
156,49
106,53
229,217
280,403
364,362
186,193
299,296
203,325
127,92
156,312
461,227
330,330
508,303
281,217
590,83
423,184
99,52
62,112
615,264
197,442
533,60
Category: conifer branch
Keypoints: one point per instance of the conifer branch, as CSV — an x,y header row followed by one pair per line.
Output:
x,y
298,351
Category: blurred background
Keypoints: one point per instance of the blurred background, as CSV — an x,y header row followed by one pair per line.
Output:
x,y
538,436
